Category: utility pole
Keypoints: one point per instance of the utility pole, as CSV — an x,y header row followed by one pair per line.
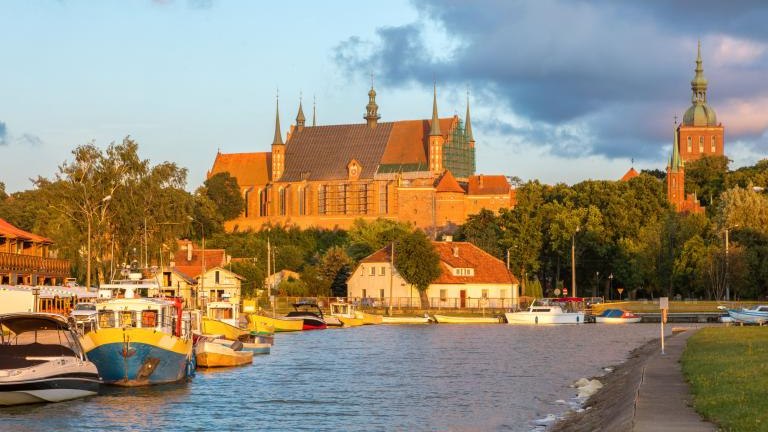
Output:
x,y
391,276
727,265
573,263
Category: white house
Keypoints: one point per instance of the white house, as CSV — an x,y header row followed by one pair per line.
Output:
x,y
469,278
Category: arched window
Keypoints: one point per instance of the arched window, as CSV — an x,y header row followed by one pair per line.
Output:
x,y
701,144
263,202
246,199
282,201
302,193
690,146
714,146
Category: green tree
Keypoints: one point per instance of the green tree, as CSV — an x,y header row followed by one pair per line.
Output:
x,y
417,262
253,275
366,238
706,178
482,230
335,269
222,189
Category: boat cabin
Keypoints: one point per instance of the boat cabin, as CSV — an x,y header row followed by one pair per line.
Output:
x,y
343,310
29,339
162,315
223,311
304,308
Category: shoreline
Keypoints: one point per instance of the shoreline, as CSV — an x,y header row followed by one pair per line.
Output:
x,y
612,408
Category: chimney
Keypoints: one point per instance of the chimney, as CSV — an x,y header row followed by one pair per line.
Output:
x,y
481,181
456,251
189,251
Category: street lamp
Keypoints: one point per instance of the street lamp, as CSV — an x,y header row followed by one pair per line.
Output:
x,y
727,264
573,263
89,218
610,286
597,283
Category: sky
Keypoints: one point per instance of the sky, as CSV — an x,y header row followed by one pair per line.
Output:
x,y
561,91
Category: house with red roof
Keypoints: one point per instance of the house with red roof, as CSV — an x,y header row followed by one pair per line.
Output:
x,y
469,278
29,259
419,171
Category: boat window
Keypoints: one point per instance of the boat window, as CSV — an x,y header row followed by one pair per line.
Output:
x,y
219,313
148,318
127,319
85,306
540,310
764,309
106,319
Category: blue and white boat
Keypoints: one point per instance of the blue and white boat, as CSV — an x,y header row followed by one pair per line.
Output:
x,y
757,314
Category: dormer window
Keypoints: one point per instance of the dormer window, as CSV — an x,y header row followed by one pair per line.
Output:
x,y
463,271
354,169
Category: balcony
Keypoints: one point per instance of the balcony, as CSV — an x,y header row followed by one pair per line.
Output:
x,y
30,264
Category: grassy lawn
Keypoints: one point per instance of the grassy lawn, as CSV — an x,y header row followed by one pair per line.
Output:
x,y
728,371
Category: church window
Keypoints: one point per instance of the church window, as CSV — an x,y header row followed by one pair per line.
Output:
x,y
246,197
714,146
701,144
341,198
302,197
263,200
321,197
690,146
282,201
383,198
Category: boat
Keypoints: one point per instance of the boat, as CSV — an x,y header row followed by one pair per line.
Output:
x,y
41,360
210,326
223,311
345,312
405,320
757,314
548,311
140,341
448,319
278,324
369,318
617,316
224,333
253,346
211,354
309,313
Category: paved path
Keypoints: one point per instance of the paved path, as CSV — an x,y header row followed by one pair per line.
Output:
x,y
663,400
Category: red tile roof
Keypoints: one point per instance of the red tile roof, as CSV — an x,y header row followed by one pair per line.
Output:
x,y
248,168
194,267
630,175
10,231
488,185
487,268
447,183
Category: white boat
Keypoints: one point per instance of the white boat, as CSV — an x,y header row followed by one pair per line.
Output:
x,y
405,320
224,311
448,319
41,360
757,314
547,311
617,316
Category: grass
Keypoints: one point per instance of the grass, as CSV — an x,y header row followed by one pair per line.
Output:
x,y
728,371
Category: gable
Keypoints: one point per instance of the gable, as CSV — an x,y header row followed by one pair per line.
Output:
x,y
250,169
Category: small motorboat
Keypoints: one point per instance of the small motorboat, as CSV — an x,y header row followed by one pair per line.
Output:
x,y
210,354
757,314
369,318
548,311
449,319
41,360
253,346
617,316
405,320
279,325
346,314
309,313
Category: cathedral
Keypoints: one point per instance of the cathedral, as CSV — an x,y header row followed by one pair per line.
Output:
x,y
417,171
699,135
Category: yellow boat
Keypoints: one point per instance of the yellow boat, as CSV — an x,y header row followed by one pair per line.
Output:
x,y
369,318
351,322
260,325
280,325
212,326
345,312
449,319
212,354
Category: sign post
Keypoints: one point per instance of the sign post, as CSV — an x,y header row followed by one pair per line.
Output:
x,y
621,291
664,306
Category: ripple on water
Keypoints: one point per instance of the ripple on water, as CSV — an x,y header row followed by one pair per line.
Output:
x,y
436,377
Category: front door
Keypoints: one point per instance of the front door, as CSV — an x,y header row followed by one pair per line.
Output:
x,y
463,298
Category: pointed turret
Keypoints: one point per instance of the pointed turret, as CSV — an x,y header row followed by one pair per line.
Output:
x,y
314,112
372,110
675,162
468,127
699,113
278,137
278,147
300,120
699,82
435,129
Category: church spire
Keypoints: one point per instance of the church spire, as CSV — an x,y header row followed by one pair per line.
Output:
x,y
372,110
468,127
300,120
699,83
314,112
675,163
435,129
278,136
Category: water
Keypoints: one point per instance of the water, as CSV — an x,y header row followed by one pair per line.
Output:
x,y
372,378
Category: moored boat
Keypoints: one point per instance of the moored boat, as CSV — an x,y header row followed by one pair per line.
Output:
x,y
253,346
548,311
278,324
448,319
41,360
369,318
405,320
309,313
211,354
757,314
346,314
139,341
617,316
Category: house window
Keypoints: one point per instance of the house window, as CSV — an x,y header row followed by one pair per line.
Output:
x,y
382,271
443,295
246,199
381,293
364,296
372,271
263,202
701,144
362,270
714,147
484,293
690,146
217,277
341,199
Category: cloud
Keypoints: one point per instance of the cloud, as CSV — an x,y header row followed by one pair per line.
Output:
x,y
29,140
603,78
3,134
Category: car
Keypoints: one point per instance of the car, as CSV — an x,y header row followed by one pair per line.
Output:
x,y
84,314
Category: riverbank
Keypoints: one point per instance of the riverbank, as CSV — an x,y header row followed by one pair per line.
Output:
x,y
727,367
645,393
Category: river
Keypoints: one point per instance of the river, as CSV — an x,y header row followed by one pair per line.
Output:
x,y
371,378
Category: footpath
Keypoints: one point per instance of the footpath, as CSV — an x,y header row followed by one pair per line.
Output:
x,y
663,399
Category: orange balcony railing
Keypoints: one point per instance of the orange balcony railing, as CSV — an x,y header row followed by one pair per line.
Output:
x,y
33,264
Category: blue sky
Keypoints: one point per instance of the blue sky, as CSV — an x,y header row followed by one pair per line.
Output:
x,y
561,91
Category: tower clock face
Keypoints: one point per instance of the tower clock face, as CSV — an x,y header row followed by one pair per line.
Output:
x,y
353,170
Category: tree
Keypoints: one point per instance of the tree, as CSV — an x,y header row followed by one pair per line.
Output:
x,y
253,275
482,230
368,237
706,178
335,270
417,262
222,189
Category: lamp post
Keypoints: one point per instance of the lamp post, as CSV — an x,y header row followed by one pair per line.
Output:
x,y
89,217
597,283
573,263
610,287
727,265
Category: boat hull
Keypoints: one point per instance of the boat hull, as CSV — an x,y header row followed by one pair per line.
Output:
x,y
214,354
527,317
369,319
446,319
228,331
279,325
50,389
613,320
405,320
748,316
137,356
351,322
313,324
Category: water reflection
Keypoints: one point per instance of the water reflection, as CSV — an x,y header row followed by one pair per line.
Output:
x,y
438,377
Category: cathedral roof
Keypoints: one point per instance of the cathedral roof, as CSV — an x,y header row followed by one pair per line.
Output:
x,y
700,115
630,175
248,168
487,185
